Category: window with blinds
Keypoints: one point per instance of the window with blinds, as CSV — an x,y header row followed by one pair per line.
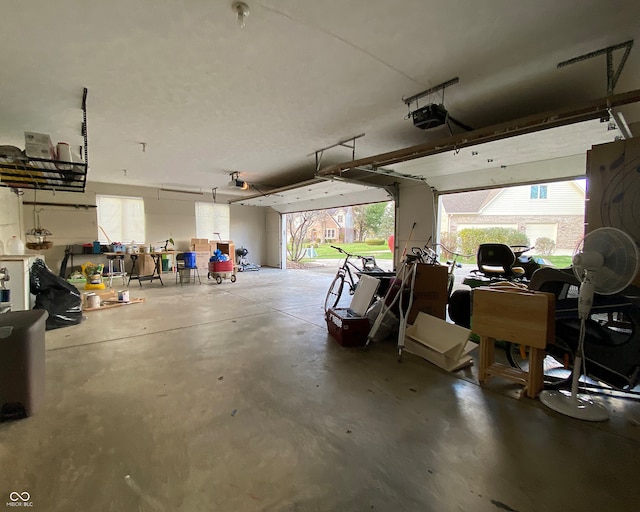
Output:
x,y
120,219
212,221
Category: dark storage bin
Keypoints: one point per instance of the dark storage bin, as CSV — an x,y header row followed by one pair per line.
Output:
x,y
22,361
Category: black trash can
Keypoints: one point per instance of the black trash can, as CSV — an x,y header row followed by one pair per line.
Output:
x,y
22,356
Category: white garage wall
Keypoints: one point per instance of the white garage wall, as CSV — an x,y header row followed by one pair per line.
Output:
x,y
248,230
274,236
167,215
10,216
173,215
415,204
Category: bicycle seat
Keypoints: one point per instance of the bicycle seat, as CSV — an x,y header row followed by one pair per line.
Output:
x,y
497,260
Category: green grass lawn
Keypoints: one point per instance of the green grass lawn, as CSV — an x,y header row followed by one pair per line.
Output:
x,y
325,251
560,261
382,252
557,261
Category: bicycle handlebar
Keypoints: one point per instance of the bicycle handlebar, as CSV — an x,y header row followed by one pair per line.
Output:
x,y
348,253
455,253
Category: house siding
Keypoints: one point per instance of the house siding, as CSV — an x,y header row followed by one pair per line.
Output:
x,y
563,198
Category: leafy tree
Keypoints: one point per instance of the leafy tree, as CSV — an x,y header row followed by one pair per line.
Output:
x,y
373,214
388,221
359,223
297,226
374,220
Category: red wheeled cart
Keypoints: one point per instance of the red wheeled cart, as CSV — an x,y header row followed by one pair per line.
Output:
x,y
220,270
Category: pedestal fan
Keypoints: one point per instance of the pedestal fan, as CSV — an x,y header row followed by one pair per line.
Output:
x,y
605,261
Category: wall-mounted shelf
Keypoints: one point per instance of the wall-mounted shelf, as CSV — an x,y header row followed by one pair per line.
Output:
x,y
44,174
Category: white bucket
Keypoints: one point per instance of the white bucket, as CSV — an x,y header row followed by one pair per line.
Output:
x,y
64,155
123,295
93,301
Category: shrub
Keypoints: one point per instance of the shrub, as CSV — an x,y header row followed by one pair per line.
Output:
x,y
375,241
545,246
471,238
449,240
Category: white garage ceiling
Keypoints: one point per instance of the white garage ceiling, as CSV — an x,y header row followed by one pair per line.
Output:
x,y
208,98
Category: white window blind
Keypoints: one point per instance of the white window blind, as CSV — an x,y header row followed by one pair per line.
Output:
x,y
212,218
121,219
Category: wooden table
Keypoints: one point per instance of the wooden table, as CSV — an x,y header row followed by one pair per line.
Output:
x,y
157,267
519,316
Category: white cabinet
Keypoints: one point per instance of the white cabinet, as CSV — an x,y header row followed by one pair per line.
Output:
x,y
18,269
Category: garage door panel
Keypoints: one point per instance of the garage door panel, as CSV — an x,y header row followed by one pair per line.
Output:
x,y
532,172
316,195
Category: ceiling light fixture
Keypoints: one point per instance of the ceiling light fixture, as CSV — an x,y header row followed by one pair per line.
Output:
x,y
242,11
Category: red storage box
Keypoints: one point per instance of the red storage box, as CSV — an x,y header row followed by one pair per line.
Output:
x,y
222,266
346,329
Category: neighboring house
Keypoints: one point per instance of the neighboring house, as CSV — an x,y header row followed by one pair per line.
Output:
x,y
333,225
551,210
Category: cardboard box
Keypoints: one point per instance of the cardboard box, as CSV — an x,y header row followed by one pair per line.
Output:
x,y
39,145
202,259
144,265
443,344
429,291
195,241
200,248
228,248
614,187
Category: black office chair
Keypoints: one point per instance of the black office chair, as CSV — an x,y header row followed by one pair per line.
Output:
x,y
181,267
497,260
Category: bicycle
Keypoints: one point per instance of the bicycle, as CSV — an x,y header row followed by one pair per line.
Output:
x,y
429,256
346,273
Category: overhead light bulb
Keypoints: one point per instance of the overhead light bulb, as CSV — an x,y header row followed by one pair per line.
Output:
x,y
242,11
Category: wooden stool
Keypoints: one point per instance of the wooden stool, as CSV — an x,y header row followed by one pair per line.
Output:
x,y
519,316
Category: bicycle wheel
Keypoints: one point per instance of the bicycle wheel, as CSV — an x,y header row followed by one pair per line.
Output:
x,y
334,293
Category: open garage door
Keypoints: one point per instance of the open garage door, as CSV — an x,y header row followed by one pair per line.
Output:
x,y
311,195
549,155
317,194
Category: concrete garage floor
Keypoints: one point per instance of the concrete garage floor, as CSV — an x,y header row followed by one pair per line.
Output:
x,y
232,397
